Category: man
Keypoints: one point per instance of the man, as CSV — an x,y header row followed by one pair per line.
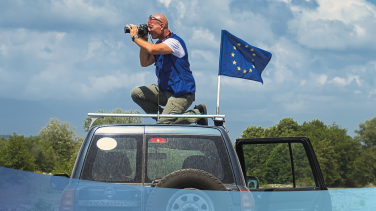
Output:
x,y
176,86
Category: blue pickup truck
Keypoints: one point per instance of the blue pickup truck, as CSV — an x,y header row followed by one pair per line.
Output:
x,y
191,168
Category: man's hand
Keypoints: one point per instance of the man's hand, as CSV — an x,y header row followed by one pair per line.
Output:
x,y
133,30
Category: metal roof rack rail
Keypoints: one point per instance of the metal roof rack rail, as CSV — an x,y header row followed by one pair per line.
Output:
x,y
218,119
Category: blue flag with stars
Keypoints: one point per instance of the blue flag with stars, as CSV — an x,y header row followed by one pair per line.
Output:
x,y
241,60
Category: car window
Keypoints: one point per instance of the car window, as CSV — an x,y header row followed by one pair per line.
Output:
x,y
169,153
112,158
303,171
118,158
272,165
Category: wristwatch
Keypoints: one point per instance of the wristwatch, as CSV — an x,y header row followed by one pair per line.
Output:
x,y
134,37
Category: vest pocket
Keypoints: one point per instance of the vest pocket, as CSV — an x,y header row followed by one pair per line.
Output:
x,y
174,80
178,85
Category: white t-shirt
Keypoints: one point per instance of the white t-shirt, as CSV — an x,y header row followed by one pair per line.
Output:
x,y
175,47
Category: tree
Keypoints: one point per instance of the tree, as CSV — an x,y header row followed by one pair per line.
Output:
x,y
63,141
3,143
366,134
61,136
335,150
45,156
365,164
365,167
287,127
16,154
113,120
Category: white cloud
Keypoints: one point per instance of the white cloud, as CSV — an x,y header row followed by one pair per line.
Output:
x,y
62,15
317,79
165,2
37,44
344,82
296,106
93,46
56,65
207,55
3,50
86,11
289,61
371,93
58,84
241,84
322,79
336,24
204,38
107,83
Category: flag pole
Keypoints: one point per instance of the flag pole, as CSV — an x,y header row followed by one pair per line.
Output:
x,y
219,87
219,71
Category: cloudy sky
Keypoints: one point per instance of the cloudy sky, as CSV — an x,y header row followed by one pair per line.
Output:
x,y
67,58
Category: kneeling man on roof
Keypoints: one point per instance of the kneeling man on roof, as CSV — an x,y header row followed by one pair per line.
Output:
x,y
176,86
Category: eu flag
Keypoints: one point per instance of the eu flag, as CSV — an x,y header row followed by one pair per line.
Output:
x,y
241,60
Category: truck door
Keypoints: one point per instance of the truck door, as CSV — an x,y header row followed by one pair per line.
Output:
x,y
283,174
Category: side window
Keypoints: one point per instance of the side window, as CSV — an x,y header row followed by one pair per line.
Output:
x,y
271,166
303,172
270,163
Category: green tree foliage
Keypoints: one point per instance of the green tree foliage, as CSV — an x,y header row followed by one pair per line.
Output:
x,y
366,134
60,138
45,156
335,150
287,127
113,120
16,154
365,167
365,164
3,142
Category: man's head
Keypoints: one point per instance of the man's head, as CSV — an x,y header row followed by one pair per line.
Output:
x,y
158,26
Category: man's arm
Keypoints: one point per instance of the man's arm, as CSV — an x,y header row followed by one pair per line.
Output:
x,y
147,49
153,49
146,59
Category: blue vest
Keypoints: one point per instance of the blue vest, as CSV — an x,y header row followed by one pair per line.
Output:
x,y
174,74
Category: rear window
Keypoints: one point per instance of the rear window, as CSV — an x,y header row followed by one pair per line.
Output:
x,y
118,158
172,153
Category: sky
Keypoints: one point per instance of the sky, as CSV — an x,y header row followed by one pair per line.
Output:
x,y
67,58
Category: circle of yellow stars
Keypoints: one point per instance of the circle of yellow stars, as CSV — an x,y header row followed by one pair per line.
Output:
x,y
234,62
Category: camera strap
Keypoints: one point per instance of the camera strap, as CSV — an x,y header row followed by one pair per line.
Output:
x,y
168,36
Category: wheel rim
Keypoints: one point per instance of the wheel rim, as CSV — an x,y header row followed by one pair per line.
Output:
x,y
190,200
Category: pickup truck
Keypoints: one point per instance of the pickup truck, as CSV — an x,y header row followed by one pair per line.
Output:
x,y
191,168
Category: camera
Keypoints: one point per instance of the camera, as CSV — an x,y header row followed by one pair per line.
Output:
x,y
142,29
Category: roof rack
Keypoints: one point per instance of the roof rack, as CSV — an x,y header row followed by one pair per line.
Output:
x,y
218,119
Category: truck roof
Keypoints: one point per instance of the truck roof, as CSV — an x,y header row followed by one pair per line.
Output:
x,y
157,129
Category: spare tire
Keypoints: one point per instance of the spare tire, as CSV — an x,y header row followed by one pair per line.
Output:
x,y
202,192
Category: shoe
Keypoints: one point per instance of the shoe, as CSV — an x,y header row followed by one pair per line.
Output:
x,y
202,108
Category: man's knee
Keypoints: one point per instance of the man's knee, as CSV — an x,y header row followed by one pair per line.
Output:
x,y
137,94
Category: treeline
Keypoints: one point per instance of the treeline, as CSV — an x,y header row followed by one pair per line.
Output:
x,y
54,149
344,160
